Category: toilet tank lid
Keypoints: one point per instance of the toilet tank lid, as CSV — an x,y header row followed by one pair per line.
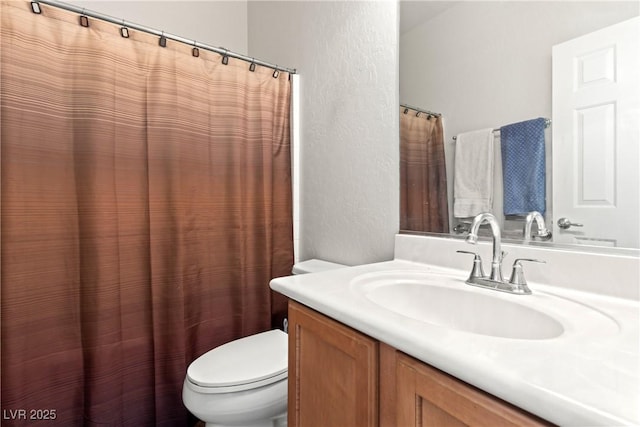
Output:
x,y
314,266
256,358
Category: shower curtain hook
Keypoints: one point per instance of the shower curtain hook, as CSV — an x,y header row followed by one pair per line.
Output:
x,y
163,40
225,57
124,31
35,7
195,51
406,110
252,67
84,20
276,72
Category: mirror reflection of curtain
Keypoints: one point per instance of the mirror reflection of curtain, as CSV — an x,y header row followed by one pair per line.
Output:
x,y
423,181
146,204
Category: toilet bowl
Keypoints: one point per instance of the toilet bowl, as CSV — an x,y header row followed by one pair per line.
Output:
x,y
241,383
244,382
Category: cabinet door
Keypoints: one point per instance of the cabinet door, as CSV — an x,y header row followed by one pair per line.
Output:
x,y
333,372
429,397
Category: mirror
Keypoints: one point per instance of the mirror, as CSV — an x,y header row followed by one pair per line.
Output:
x,y
487,64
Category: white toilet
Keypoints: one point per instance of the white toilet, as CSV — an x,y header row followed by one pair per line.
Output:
x,y
244,382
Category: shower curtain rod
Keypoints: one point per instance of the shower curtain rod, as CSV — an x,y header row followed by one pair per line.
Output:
x,y
130,25
547,123
419,110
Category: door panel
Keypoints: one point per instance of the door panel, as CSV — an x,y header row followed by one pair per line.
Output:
x,y
596,127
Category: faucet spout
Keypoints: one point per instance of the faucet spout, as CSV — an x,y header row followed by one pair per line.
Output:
x,y
543,232
496,263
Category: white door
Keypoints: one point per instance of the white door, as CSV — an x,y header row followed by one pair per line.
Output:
x,y
596,128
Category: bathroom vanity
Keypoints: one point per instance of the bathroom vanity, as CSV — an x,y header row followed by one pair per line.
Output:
x,y
407,342
340,377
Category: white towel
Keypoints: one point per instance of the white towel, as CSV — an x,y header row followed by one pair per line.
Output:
x,y
473,173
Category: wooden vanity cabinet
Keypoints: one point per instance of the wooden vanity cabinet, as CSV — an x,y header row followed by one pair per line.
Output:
x,y
333,372
420,395
339,377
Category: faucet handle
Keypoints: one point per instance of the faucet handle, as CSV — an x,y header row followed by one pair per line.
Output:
x,y
529,260
468,252
476,270
517,274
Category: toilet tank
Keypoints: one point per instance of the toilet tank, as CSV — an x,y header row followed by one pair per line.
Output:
x,y
314,266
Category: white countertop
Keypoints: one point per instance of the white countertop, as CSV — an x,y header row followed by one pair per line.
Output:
x,y
579,378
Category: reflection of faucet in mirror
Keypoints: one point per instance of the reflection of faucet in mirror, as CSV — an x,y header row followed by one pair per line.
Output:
x,y
543,231
462,227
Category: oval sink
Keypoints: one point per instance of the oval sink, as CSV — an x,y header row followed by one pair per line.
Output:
x,y
445,301
465,311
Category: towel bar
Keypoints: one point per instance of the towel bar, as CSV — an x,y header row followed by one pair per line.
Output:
x,y
547,123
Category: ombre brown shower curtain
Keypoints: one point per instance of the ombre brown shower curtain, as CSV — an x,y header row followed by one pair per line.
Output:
x,y
423,179
146,204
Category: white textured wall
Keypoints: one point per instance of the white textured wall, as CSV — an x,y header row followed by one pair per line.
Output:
x,y
486,64
347,56
217,23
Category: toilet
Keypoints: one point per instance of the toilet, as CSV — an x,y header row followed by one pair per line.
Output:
x,y
244,382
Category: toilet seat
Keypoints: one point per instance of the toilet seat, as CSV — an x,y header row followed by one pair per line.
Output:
x,y
244,364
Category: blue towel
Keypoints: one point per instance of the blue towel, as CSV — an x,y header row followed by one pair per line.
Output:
x,y
523,167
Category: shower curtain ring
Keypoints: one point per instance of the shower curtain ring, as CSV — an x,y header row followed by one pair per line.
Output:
x,y
124,31
276,72
252,67
35,7
225,57
84,20
195,51
163,40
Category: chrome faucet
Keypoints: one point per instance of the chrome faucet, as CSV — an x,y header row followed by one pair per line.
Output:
x,y
543,231
516,283
496,263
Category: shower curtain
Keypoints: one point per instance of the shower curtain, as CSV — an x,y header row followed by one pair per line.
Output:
x,y
423,179
145,205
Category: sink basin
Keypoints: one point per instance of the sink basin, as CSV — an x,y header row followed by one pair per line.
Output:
x,y
445,301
